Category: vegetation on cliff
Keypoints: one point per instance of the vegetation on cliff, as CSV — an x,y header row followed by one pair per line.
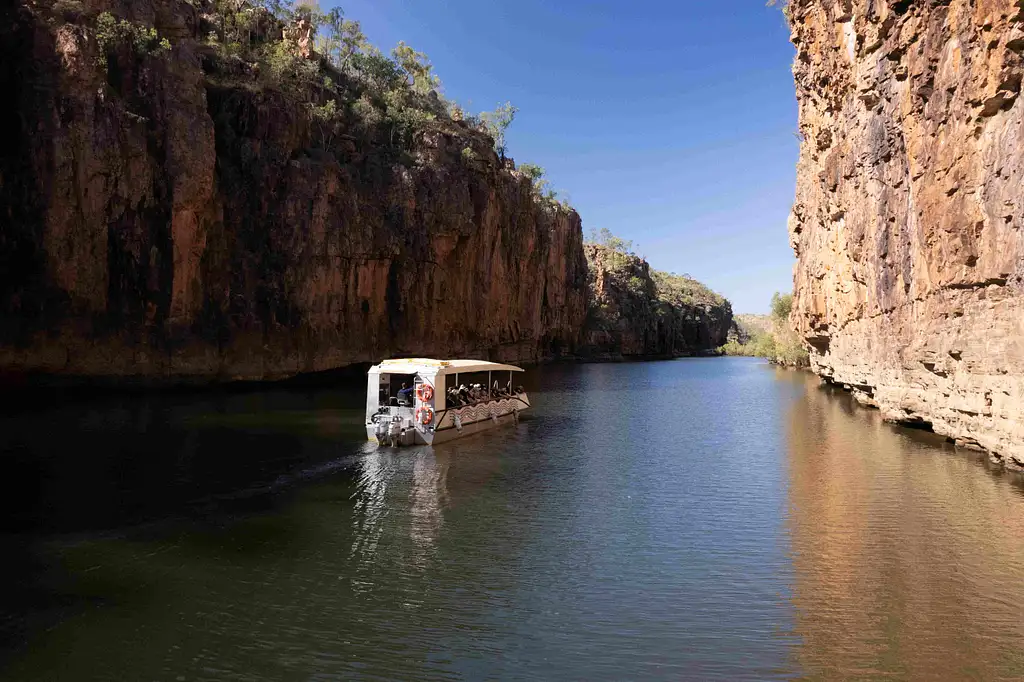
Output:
x,y
781,4
321,60
770,336
325,62
637,311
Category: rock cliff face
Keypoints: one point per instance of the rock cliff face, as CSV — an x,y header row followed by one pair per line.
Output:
x,y
907,224
167,220
636,313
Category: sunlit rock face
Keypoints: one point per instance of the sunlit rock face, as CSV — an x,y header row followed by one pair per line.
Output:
x,y
909,285
166,220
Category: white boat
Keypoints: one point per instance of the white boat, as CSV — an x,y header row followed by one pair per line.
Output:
x,y
422,401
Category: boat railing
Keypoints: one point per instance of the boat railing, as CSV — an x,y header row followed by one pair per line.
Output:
x,y
451,408
404,411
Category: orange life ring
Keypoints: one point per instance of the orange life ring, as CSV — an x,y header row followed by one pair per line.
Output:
x,y
424,392
424,415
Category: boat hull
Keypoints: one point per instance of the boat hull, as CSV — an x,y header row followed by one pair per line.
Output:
x,y
459,422
447,435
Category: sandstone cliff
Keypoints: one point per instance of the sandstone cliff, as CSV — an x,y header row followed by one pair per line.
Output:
x,y
165,216
909,207
635,312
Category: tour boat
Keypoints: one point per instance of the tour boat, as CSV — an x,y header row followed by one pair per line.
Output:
x,y
421,401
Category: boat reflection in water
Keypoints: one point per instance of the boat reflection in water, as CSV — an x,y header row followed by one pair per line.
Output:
x,y
386,477
427,501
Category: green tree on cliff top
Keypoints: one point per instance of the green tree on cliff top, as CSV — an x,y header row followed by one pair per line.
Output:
x,y
497,122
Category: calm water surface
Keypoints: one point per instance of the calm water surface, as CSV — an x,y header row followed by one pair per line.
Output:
x,y
696,519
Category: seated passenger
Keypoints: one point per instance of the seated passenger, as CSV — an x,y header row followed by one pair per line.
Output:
x,y
405,395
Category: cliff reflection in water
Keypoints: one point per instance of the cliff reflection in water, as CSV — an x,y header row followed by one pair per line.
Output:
x,y
906,560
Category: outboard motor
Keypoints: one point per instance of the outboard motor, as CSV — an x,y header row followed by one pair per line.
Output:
x,y
394,431
380,429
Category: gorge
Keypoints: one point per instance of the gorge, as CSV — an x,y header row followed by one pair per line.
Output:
x,y
181,207
909,285
214,214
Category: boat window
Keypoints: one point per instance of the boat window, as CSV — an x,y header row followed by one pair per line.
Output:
x,y
391,392
467,388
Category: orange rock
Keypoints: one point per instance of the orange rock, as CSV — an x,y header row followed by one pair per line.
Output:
x,y
914,296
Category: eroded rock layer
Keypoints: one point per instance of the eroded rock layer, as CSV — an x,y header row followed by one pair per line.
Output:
x,y
909,285
167,220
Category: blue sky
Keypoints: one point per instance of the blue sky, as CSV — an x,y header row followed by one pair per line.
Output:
x,y
670,123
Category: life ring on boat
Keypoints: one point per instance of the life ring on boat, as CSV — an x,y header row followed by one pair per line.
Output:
x,y
424,415
424,392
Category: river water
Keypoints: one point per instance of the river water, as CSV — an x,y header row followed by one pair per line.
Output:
x,y
695,519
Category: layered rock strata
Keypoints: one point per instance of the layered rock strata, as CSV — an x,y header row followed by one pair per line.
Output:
x,y
907,224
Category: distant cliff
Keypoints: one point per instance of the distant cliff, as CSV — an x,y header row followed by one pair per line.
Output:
x,y
908,223
172,212
747,326
637,312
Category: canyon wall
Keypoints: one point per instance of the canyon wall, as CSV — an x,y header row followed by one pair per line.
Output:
x,y
168,219
635,312
907,224
171,213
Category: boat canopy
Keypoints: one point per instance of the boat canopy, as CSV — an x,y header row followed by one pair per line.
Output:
x,y
435,367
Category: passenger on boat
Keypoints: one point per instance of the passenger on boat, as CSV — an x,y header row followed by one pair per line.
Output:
x,y
405,395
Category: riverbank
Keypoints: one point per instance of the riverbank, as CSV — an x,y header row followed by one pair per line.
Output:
x,y
768,336
20,391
